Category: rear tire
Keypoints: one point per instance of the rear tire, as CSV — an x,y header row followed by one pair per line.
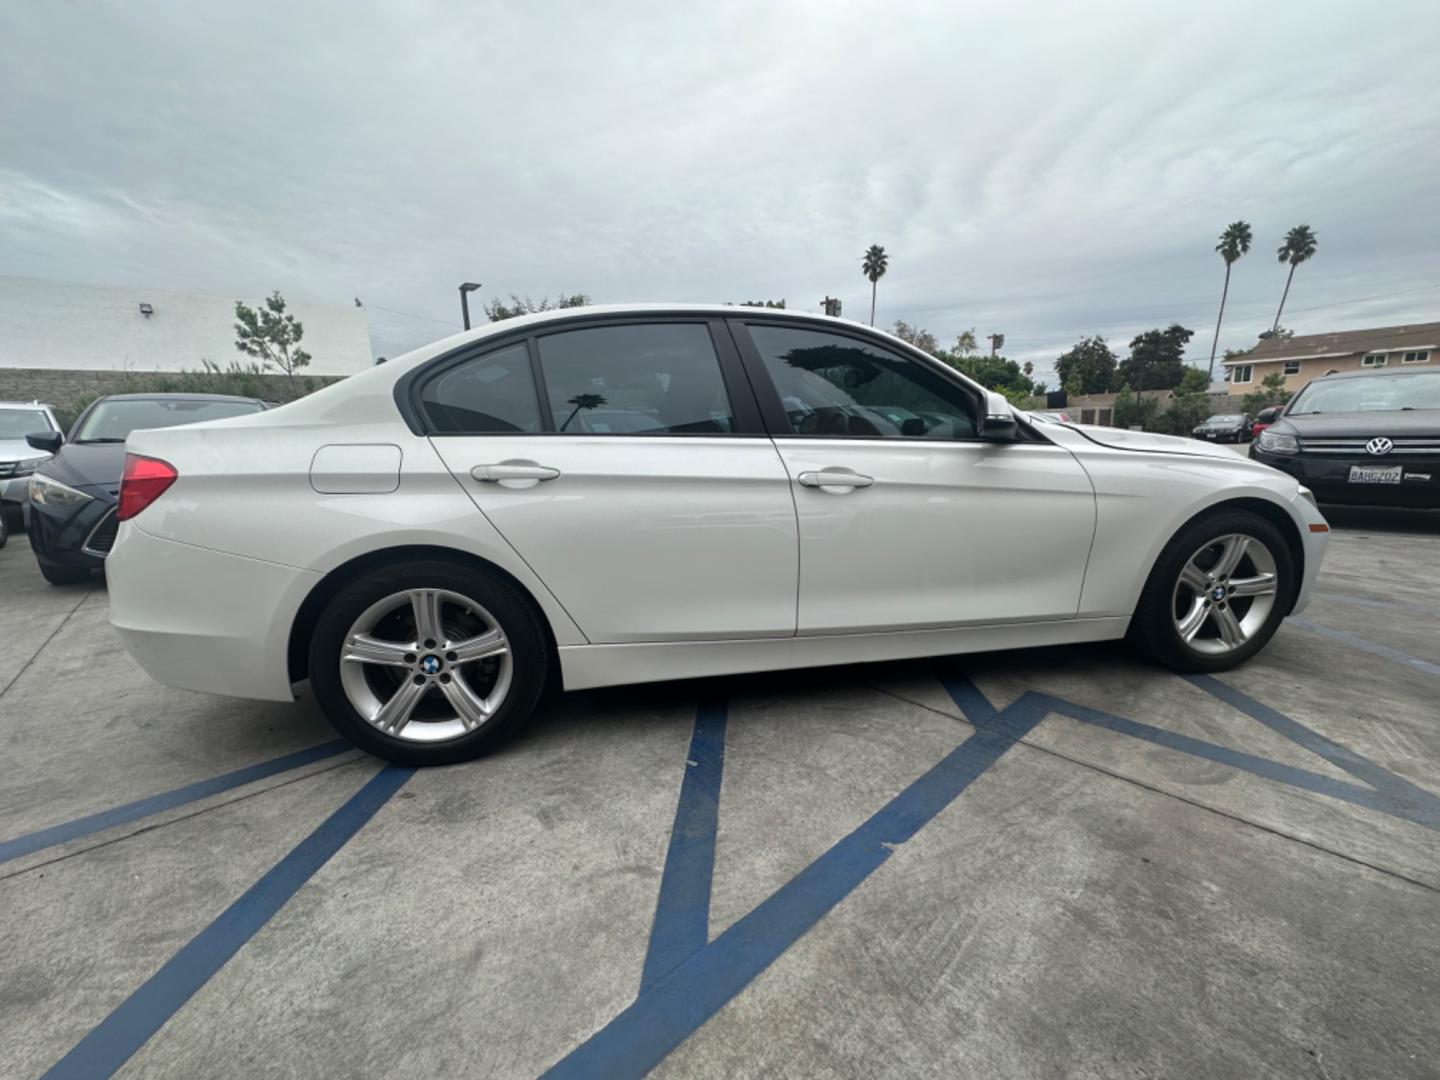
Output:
x,y
4,528
405,693
1217,593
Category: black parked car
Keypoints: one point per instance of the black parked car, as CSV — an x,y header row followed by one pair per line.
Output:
x,y
71,514
1225,427
1362,437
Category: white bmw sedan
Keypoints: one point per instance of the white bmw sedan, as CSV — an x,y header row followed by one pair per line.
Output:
x,y
616,495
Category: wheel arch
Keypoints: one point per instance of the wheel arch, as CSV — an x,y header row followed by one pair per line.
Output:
x,y
308,615
1272,512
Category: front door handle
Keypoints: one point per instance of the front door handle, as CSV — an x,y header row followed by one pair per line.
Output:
x,y
835,481
514,474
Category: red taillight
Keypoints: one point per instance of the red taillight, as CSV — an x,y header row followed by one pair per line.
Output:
x,y
144,480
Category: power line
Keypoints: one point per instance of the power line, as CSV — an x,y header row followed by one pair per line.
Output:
x,y
414,315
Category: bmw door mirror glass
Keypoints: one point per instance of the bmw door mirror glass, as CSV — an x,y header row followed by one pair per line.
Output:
x,y
49,441
999,417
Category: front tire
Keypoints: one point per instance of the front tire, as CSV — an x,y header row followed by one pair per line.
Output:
x,y
428,663
1217,593
63,575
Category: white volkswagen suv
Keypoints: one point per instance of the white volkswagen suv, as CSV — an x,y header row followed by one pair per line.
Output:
x,y
615,495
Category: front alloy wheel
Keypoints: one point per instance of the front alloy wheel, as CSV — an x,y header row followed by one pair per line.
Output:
x,y
1217,593
1225,593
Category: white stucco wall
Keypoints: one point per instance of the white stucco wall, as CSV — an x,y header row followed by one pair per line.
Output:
x,y
61,325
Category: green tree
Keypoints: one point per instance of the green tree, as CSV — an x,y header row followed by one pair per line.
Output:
x,y
874,265
1271,391
497,309
1234,242
921,339
1189,403
993,373
966,344
1134,411
272,336
1088,367
1156,360
1298,247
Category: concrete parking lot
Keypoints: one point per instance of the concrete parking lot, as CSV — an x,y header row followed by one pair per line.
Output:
x,y
1051,863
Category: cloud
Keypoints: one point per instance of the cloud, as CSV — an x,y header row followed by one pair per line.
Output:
x,y
1045,170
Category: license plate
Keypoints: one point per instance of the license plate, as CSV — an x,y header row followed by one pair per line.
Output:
x,y
1376,474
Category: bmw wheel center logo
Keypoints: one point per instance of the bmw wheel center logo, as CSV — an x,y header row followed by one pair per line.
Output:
x,y
430,664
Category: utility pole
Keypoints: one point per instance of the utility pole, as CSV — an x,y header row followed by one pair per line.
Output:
x,y
832,307
997,342
465,289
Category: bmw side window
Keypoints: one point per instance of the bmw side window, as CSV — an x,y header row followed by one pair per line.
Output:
x,y
491,394
832,385
642,379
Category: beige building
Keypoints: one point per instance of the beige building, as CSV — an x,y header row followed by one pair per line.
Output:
x,y
1301,359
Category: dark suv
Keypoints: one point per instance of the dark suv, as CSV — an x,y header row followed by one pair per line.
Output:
x,y
1362,437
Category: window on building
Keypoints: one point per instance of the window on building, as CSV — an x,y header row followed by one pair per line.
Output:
x,y
1292,367
1374,359
1242,373
1420,357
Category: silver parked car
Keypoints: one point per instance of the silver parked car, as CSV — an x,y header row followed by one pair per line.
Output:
x,y
18,459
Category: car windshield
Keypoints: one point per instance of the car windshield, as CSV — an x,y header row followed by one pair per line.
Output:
x,y
1224,418
113,421
17,423
1379,393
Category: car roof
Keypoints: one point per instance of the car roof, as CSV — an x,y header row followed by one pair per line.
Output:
x,y
179,397
1372,373
25,405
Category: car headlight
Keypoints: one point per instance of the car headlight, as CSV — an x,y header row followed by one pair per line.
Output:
x,y
1273,442
46,491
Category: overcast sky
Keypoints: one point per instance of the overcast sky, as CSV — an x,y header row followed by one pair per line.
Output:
x,y
1044,170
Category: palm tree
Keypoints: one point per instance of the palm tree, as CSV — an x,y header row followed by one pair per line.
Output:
x,y
1234,242
875,264
1299,246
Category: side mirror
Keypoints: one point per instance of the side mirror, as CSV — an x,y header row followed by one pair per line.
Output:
x,y
998,422
49,441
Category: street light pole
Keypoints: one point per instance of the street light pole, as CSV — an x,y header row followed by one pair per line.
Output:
x,y
465,290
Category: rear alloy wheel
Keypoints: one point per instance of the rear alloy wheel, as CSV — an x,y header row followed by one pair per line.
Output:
x,y
427,663
1217,593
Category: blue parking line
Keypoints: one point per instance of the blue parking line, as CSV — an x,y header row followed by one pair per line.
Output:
x,y
1424,805
1374,648
678,1004
166,800
682,910
124,1031
1357,794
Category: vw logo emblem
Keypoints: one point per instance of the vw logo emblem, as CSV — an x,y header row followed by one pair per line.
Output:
x,y
1379,445
430,664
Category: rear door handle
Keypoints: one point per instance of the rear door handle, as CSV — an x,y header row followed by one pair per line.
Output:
x,y
516,474
835,481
